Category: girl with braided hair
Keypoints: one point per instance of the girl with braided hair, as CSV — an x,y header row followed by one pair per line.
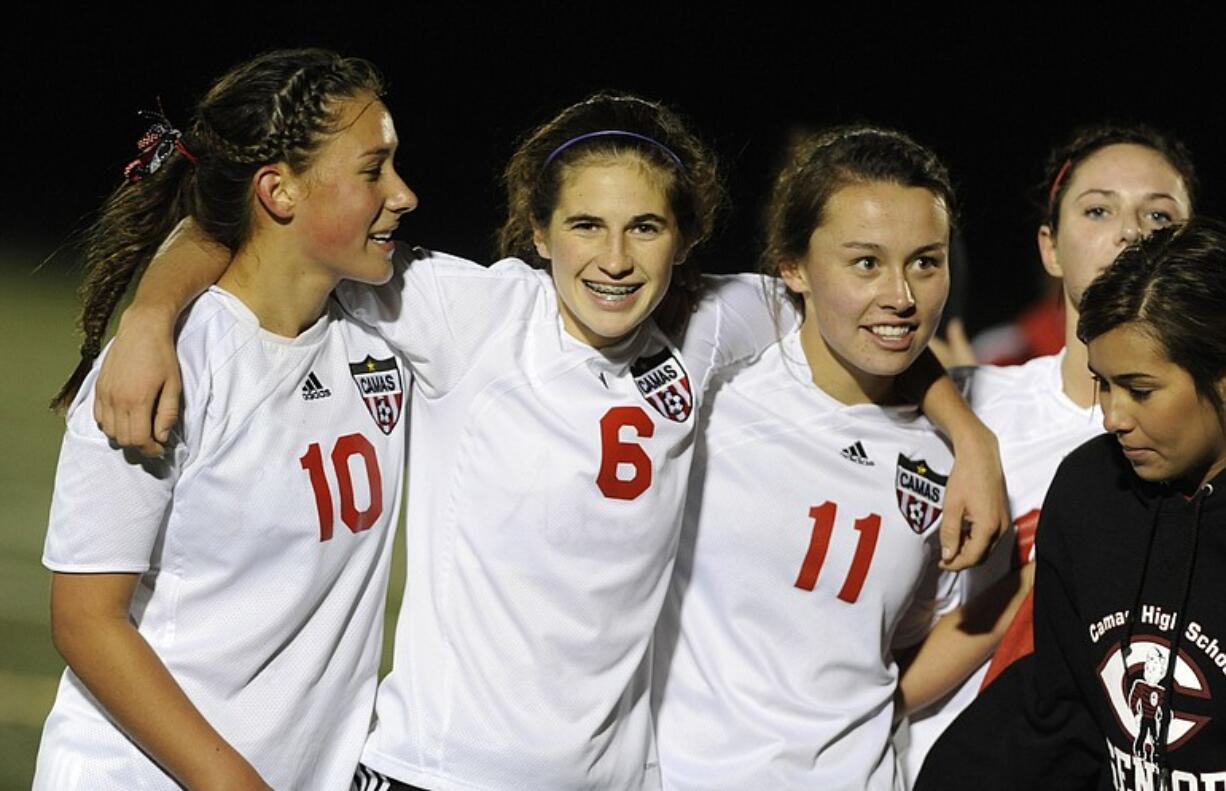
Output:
x,y
221,629
556,398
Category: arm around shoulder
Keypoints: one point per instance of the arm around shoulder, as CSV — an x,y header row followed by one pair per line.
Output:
x,y
138,390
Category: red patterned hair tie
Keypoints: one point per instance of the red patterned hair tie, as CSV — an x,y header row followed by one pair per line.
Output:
x,y
156,145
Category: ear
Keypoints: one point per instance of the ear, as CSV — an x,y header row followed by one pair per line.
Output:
x,y
682,253
276,189
1047,251
794,276
541,241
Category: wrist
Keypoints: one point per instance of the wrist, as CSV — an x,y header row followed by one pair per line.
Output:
x,y
148,317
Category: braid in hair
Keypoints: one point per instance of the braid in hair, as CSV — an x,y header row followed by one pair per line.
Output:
x,y
277,107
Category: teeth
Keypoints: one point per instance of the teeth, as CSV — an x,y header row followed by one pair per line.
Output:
x,y
611,292
890,330
381,237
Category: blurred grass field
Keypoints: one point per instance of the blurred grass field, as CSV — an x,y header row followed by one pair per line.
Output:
x,y
38,351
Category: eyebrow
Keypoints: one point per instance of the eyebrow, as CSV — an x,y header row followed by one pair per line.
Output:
x,y
378,151
1113,193
1123,379
928,248
638,218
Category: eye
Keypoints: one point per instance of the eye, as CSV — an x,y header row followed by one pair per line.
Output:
x,y
1139,393
1100,384
584,226
1096,212
646,228
1160,218
374,171
866,264
927,262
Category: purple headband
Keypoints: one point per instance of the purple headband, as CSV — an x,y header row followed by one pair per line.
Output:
x,y
613,133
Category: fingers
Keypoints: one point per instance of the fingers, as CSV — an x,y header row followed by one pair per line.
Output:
x,y
951,531
167,413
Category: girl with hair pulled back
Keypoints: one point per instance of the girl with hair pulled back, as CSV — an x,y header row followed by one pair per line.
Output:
x,y
221,629
809,552
556,403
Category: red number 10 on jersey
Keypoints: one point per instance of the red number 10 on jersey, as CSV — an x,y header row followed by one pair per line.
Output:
x,y
345,448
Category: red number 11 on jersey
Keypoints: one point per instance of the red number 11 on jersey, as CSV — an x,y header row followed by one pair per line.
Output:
x,y
823,528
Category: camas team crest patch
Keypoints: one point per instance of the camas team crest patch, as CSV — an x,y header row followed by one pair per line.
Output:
x,y
921,493
664,384
379,383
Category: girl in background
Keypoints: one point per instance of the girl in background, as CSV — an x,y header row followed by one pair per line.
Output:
x,y
1105,188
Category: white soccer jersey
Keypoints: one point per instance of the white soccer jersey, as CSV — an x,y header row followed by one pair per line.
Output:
x,y
545,494
1037,425
809,550
262,542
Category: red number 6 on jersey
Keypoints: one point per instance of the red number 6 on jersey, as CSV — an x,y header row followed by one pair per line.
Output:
x,y
614,452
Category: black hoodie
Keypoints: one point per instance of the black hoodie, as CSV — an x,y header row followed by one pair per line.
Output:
x,y
1121,563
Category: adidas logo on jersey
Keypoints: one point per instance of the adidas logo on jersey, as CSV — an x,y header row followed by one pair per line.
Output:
x,y
855,452
312,389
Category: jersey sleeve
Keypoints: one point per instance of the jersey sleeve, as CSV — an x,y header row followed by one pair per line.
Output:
x,y
438,310
737,318
110,505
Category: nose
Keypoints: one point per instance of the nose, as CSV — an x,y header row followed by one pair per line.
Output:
x,y
400,198
896,291
617,260
1116,418
1130,229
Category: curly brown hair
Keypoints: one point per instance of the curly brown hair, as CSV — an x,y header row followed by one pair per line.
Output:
x,y
535,173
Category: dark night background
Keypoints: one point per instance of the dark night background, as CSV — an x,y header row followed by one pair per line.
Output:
x,y
990,96
990,92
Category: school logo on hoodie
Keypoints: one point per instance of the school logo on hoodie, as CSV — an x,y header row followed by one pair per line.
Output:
x,y
1138,698
921,492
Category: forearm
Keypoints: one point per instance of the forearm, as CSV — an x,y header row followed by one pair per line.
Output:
x,y
186,264
125,675
962,640
928,383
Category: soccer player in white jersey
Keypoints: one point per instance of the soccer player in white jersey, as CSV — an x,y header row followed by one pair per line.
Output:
x,y
554,415
220,609
1104,188
809,552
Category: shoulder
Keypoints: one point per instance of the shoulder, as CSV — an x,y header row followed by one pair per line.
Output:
x,y
212,331
1092,483
991,385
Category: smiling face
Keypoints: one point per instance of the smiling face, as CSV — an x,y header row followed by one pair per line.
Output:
x,y
611,242
874,281
1115,196
351,197
1168,431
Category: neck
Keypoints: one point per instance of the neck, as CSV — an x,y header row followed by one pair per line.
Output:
x,y
1074,370
836,376
285,295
